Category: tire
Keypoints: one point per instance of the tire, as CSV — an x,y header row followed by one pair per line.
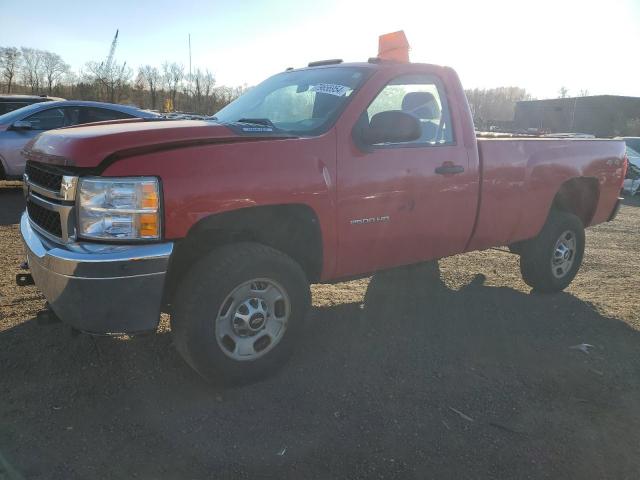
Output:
x,y
515,248
543,264
227,304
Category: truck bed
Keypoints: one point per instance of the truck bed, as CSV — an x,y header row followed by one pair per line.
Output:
x,y
521,177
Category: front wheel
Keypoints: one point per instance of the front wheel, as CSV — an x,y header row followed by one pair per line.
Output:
x,y
239,312
550,261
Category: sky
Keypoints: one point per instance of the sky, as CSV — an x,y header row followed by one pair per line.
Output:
x,y
539,45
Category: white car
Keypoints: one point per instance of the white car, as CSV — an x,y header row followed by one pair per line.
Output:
x,y
632,180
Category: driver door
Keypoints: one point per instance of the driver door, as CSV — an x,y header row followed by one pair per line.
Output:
x,y
401,203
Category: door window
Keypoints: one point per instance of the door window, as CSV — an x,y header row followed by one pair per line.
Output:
x,y
420,96
104,114
82,115
47,119
6,107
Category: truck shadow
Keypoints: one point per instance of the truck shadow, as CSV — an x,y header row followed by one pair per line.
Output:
x,y
11,202
417,372
632,201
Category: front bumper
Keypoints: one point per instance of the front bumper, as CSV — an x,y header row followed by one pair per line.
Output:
x,y
99,288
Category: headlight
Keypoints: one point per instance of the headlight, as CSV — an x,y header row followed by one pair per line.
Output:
x,y
119,208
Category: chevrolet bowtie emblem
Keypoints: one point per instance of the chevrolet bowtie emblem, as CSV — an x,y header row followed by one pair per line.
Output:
x,y
66,184
67,187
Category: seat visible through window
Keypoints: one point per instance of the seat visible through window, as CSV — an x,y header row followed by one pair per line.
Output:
x,y
425,108
421,96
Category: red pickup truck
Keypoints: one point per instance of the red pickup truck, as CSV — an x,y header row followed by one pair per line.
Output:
x,y
317,174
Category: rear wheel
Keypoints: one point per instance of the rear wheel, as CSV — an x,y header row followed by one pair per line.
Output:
x,y
239,312
550,261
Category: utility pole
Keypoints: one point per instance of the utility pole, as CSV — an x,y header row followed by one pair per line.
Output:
x,y
190,74
573,115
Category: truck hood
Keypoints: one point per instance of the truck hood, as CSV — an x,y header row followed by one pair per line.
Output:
x,y
88,146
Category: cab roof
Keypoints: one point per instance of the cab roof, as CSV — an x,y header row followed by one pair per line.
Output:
x,y
372,63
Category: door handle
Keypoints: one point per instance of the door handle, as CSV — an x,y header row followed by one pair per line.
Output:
x,y
448,168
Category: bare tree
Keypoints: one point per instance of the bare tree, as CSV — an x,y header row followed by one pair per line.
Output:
x,y
207,82
109,78
151,79
138,92
10,58
584,93
563,92
494,104
196,79
25,70
69,81
32,68
172,75
53,68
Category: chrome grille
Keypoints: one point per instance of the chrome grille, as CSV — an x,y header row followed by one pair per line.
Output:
x,y
46,219
50,192
45,176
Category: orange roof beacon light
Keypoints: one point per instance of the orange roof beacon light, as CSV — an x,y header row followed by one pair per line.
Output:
x,y
393,46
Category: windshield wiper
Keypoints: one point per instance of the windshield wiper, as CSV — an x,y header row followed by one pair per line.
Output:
x,y
257,121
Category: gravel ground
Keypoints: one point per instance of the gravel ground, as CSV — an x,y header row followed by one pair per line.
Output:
x,y
422,372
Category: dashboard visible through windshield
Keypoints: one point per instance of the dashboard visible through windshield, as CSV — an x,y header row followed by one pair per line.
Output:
x,y
300,102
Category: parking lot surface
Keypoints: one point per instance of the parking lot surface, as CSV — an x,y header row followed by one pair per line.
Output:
x,y
450,371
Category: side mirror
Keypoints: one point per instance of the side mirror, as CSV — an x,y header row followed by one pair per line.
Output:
x,y
392,126
22,125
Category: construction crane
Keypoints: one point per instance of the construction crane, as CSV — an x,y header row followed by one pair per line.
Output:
x,y
112,52
109,74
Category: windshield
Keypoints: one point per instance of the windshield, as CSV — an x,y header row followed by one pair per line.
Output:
x,y
20,113
633,142
634,157
303,102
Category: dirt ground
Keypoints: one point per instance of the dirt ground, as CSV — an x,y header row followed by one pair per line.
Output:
x,y
414,373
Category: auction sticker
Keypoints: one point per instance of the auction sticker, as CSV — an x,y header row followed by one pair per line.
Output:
x,y
330,89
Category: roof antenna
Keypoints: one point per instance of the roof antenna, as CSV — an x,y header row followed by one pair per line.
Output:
x,y
394,46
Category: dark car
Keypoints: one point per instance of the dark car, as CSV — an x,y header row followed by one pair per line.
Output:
x,y
9,103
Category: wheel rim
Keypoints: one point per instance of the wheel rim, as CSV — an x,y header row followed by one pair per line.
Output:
x,y
564,254
253,319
